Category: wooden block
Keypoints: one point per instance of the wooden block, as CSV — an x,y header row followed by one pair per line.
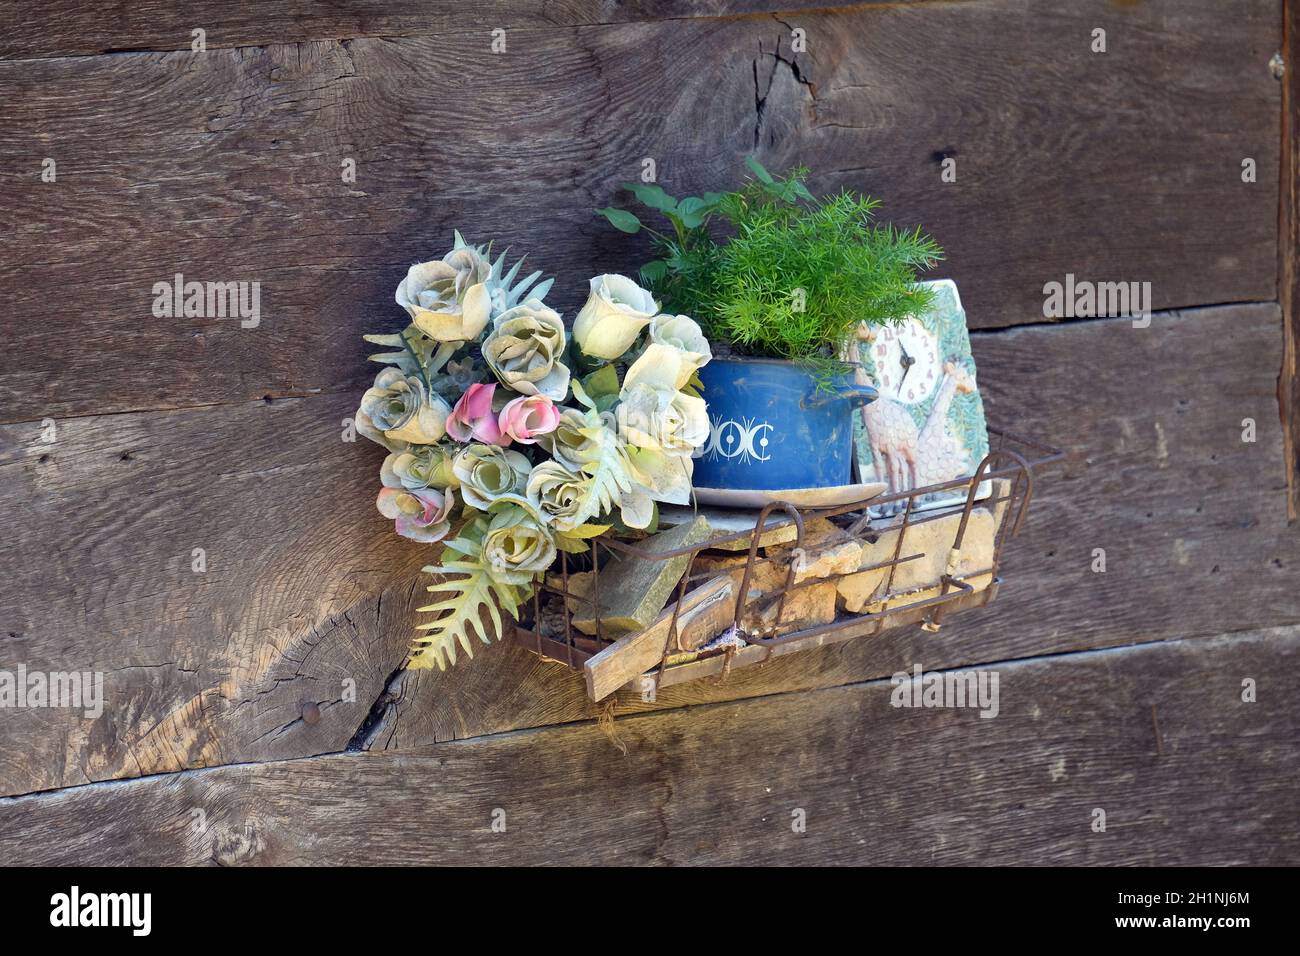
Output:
x,y
704,613
633,590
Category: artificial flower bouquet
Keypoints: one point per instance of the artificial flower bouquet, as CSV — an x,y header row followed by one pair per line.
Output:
x,y
529,439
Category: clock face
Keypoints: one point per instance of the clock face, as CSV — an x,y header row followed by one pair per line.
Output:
x,y
906,359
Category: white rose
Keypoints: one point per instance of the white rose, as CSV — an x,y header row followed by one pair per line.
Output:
x,y
398,409
560,494
683,333
517,546
616,311
448,299
525,348
662,366
657,418
486,472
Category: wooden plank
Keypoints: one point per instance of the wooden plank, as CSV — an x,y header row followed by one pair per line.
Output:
x,y
225,166
204,668
1288,385
633,655
756,654
1158,737
66,28
280,647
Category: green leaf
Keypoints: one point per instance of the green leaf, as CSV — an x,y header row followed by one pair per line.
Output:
x,y
757,169
652,195
601,383
693,211
623,529
653,272
694,387
470,592
621,219
572,545
588,531
580,394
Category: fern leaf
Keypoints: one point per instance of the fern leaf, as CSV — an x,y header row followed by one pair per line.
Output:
x,y
470,592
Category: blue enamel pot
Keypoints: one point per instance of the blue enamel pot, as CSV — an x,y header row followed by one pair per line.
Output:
x,y
772,429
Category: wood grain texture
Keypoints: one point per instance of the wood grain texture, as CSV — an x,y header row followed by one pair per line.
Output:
x,y
307,585
307,597
1288,383
225,166
1157,737
64,28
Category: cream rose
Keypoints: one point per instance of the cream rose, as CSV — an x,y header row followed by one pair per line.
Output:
x,y
448,300
400,409
681,332
486,472
616,311
662,366
576,440
524,350
560,495
420,466
517,546
658,418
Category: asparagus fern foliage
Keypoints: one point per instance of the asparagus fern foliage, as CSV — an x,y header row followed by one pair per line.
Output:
x,y
774,271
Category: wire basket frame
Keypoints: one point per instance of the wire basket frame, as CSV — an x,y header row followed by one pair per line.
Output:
x,y
1010,465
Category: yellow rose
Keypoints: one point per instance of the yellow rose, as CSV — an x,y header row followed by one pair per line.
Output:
x,y
616,311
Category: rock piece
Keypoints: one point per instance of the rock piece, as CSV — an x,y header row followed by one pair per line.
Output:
x,y
805,607
864,591
828,552
830,560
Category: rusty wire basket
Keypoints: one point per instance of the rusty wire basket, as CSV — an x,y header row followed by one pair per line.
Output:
x,y
917,585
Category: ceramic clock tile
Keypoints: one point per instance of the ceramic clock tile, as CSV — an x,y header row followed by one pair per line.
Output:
x,y
927,426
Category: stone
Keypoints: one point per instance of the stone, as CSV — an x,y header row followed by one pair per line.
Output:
x,y
828,552
806,606
859,593
832,560
634,590
864,591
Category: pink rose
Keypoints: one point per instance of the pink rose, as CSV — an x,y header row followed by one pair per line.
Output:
x,y
472,418
421,515
526,417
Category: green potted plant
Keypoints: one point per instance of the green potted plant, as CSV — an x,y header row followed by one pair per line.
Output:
x,y
780,281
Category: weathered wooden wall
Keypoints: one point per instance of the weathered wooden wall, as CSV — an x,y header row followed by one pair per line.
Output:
x,y
1121,689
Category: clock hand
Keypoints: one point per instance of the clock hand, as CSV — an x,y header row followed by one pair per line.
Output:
x,y
906,361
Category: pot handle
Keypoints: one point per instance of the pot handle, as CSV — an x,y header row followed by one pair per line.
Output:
x,y
855,395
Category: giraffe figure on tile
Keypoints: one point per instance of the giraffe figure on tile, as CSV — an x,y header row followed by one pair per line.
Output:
x,y
939,455
891,431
